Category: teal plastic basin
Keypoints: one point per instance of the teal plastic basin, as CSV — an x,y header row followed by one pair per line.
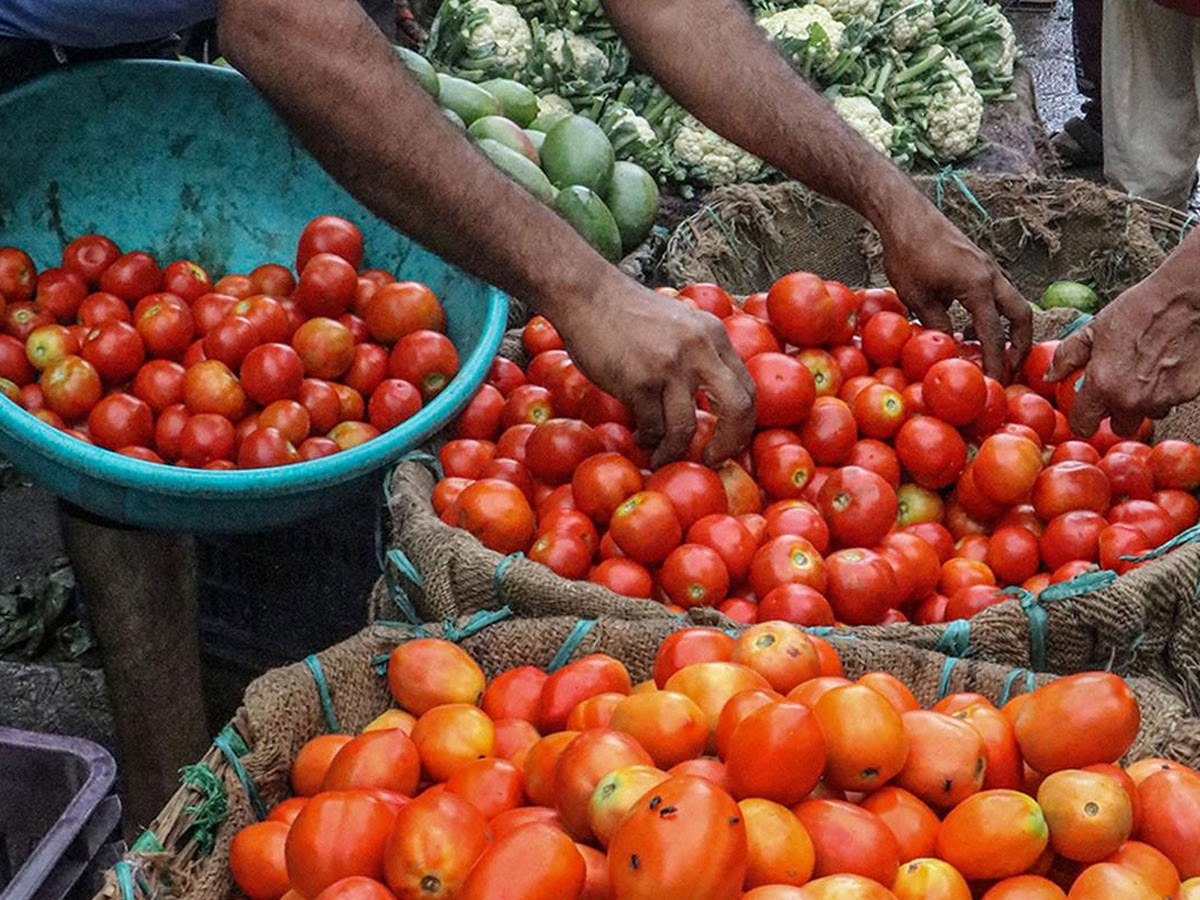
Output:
x,y
185,160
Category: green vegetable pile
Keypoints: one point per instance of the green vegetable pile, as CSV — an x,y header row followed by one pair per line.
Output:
x,y
911,76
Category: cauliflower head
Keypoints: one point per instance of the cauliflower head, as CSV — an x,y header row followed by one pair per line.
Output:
x,y
552,103
567,50
908,21
954,112
482,36
864,117
798,25
847,10
712,159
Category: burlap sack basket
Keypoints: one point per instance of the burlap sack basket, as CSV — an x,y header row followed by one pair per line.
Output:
x,y
185,851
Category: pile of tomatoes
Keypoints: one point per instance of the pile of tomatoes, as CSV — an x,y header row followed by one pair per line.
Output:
x,y
745,768
889,479
256,370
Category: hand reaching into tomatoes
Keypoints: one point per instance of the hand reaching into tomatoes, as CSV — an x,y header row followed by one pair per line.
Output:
x,y
1138,355
654,353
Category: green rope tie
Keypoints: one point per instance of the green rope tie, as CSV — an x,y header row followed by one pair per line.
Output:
x,y
501,570
1074,325
210,813
318,674
1079,585
428,460
124,872
233,748
1186,227
147,842
578,632
477,623
1187,536
401,565
944,681
1011,680
831,632
953,175
956,639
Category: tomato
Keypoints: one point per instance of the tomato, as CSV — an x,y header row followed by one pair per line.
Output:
x,y
131,276
849,840
563,553
386,760
800,306
845,313
827,376
777,752
780,652
88,255
186,279
731,540
1025,887
1007,468
797,603
687,646
46,343
450,736
496,513
946,760
1070,485
327,286
924,349
14,364
257,862
1004,764
954,390
428,672
581,766
505,375
275,280
859,506
116,351
1050,721
269,316
646,527
1119,541
461,458
330,234
1035,412
557,447
799,518
830,431
400,308
780,852
71,387
503,871
230,340
436,840
933,452
930,879
694,575
206,437
785,390
787,559
1129,477
1089,814
1170,800
481,417
539,335
615,794
1152,520
884,335
1072,536
861,586
289,418
356,887
59,293
237,286
710,298
1175,464
1181,506
427,359
911,821
864,738
338,834
594,674
265,447
320,399
1150,865
624,577
993,834
879,411
879,458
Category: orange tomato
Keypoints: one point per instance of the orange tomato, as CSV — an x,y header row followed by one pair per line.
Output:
x,y
952,703
257,860
313,761
779,849
774,892
1121,777
452,735
843,887
688,646
428,672
525,815
735,710
514,737
1025,887
811,691
848,839
1144,768
779,651
583,762
492,786
777,753
1152,865
684,833
891,687
387,760
946,758
707,767
831,663
392,718
668,725
597,883
285,811
1004,764
1108,881
514,694
338,834
594,674
913,824
594,712
1077,721
930,879
711,684
1171,817
865,743
434,842
615,795
534,862
993,834
1089,815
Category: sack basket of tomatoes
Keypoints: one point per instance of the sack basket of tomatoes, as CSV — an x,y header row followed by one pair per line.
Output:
x,y
253,765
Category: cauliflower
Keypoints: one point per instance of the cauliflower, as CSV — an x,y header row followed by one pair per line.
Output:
x,y
907,21
953,112
809,28
847,10
864,117
712,159
568,65
480,36
570,52
551,103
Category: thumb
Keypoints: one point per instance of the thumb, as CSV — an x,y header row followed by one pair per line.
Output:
x,y
1072,354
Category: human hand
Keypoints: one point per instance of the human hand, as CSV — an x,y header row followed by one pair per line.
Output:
x,y
654,353
931,263
1140,355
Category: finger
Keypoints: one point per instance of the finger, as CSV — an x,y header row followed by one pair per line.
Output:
x,y
1073,353
1019,313
1088,410
1126,423
734,406
930,314
647,408
679,410
734,364
989,331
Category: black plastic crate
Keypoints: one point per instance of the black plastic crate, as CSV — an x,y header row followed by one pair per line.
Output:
x,y
59,818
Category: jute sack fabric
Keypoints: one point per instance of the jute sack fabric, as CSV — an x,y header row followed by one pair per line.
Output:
x,y
185,851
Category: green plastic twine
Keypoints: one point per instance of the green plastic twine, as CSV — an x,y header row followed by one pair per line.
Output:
x,y
1038,621
1011,679
211,812
147,842
318,674
399,564
1074,325
124,873
830,632
944,681
1187,536
571,644
501,570
481,620
428,460
232,748
956,639
953,175
1079,585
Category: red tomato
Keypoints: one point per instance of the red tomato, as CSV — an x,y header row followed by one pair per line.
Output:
x,y
849,840
883,336
932,451
257,860
694,575
206,437
624,577
426,359
1013,554
859,505
1153,520
785,390
954,390
800,306
575,682
1181,506
539,335
861,586
166,328
1170,800
787,559
71,387
1071,485
729,538
710,298
1035,412
89,255
327,286
325,347
131,276
1007,467
830,432
879,411
557,447
320,399
784,470
1176,465
60,292
845,313
497,513
265,447
688,646
338,834
797,517
924,349
392,402
403,307
14,364
434,843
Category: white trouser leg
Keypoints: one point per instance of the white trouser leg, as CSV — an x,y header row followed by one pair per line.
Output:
x,y
1149,94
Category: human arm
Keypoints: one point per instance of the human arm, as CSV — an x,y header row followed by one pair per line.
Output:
x,y
337,83
1141,353
713,58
